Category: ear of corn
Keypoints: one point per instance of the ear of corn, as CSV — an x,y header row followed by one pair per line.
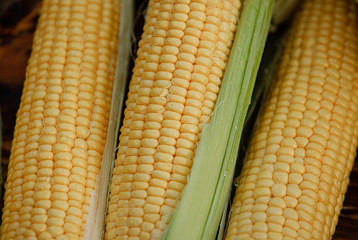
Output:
x,y
62,121
201,206
297,170
176,78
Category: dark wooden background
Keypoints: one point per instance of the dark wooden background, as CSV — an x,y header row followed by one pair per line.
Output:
x,y
17,24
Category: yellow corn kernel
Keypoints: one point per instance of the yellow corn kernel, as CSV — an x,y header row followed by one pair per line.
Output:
x,y
305,135
62,120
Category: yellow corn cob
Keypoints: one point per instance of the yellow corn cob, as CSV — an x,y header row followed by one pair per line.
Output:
x,y
62,120
293,182
176,79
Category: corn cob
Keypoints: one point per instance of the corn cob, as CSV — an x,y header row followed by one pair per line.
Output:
x,y
293,182
176,78
62,120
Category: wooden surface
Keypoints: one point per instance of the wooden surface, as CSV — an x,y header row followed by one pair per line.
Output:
x,y
17,24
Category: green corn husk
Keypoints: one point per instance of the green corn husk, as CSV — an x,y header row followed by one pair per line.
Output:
x,y
199,212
